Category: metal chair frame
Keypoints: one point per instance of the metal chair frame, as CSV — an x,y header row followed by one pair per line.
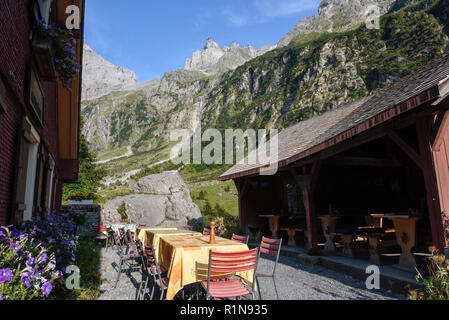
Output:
x,y
271,247
152,269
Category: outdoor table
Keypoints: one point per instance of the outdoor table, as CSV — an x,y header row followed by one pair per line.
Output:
x,y
274,224
127,226
141,233
405,227
292,234
152,237
328,223
186,259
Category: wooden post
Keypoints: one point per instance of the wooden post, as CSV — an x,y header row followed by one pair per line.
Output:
x,y
242,187
308,182
433,200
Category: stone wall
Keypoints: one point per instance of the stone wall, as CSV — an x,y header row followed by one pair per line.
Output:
x,y
93,215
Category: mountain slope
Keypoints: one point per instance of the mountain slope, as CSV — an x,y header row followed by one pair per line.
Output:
x,y
314,73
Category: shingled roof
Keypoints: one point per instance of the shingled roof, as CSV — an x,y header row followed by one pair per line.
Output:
x,y
320,132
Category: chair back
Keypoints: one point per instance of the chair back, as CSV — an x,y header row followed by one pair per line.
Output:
x,y
188,228
241,239
271,247
152,262
129,236
206,232
117,240
225,263
102,229
142,225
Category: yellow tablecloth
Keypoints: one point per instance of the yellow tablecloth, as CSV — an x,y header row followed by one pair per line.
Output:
x,y
186,258
141,233
153,236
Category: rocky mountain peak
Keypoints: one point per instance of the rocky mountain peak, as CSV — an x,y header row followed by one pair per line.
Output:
x,y
336,15
101,77
215,59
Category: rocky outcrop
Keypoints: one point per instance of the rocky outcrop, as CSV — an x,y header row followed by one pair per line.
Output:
x,y
337,15
161,200
101,77
215,60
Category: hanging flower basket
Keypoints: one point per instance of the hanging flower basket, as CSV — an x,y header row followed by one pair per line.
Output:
x,y
57,48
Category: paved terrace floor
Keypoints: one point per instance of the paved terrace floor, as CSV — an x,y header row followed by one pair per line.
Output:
x,y
295,281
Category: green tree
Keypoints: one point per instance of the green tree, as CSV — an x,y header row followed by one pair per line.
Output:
x,y
90,175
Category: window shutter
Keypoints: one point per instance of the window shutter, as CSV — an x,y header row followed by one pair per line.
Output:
x,y
38,199
23,148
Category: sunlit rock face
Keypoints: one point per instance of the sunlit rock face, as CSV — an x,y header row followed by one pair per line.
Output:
x,y
101,77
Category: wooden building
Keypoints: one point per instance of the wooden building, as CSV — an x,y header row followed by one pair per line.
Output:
x,y
385,154
39,117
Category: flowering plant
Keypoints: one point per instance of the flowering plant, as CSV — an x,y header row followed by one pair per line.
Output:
x,y
64,51
27,268
81,196
57,232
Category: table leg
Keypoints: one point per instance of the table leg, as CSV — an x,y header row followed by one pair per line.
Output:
x,y
374,256
405,236
291,237
328,230
274,227
347,240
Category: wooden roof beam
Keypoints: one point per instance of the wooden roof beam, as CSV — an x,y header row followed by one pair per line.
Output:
x,y
404,146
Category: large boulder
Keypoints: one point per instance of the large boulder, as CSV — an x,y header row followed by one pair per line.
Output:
x,y
160,200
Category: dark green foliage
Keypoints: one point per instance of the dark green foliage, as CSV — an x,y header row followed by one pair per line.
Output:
x,y
90,175
122,211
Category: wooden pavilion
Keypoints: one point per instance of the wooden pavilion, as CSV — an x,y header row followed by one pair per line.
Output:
x,y
386,154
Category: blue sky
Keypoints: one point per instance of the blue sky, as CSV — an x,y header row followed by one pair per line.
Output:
x,y
153,37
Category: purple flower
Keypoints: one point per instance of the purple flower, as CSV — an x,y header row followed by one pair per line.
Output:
x,y
26,282
31,262
43,257
2,234
14,246
46,288
5,275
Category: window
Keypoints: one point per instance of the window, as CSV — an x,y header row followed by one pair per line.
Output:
x,y
42,10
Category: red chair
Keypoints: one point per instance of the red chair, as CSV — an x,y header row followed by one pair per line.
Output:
x,y
241,239
142,225
126,257
102,234
187,228
221,264
270,247
206,232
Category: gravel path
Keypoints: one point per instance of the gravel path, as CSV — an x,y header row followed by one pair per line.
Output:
x,y
294,282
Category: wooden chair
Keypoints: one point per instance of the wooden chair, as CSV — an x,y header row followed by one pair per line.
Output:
x,y
127,257
221,264
241,239
270,247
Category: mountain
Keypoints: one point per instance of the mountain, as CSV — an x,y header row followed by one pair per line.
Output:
x,y
338,15
214,59
101,77
314,73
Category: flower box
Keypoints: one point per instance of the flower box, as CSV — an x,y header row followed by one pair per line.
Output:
x,y
43,53
81,202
